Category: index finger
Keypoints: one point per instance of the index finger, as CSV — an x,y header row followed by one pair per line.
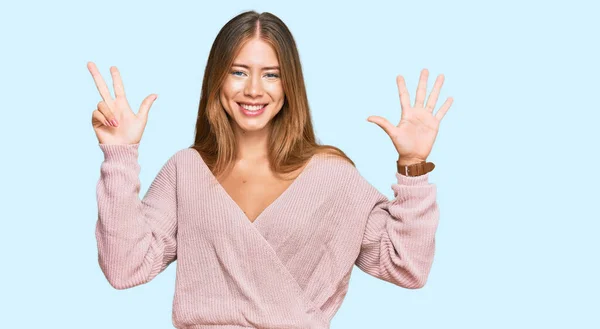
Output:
x,y
403,93
100,84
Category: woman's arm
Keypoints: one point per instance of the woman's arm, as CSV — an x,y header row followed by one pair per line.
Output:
x,y
399,239
136,238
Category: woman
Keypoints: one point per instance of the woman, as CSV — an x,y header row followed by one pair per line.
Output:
x,y
265,224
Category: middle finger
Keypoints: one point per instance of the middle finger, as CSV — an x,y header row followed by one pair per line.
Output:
x,y
117,82
421,88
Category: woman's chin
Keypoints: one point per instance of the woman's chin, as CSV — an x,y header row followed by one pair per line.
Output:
x,y
249,125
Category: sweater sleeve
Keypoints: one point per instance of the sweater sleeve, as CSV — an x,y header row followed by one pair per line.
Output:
x,y
136,238
399,239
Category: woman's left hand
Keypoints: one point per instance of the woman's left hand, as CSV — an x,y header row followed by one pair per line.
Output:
x,y
418,127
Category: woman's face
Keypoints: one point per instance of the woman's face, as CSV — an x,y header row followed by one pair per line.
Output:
x,y
252,93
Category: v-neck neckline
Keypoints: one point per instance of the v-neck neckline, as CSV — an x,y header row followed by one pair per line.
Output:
x,y
264,212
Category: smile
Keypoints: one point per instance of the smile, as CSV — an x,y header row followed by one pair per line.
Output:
x,y
252,107
252,110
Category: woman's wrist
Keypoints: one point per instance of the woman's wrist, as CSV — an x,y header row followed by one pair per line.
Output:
x,y
409,161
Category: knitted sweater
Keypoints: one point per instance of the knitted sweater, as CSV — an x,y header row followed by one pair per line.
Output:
x,y
289,268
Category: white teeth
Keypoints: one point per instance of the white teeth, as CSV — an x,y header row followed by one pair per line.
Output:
x,y
252,107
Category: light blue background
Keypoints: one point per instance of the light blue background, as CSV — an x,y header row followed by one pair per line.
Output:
x,y
516,155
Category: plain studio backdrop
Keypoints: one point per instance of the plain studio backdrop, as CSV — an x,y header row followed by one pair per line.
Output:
x,y
516,155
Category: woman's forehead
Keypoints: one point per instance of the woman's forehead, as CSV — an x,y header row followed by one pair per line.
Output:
x,y
257,53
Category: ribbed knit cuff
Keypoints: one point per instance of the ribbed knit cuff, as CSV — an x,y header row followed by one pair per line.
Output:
x,y
412,180
119,152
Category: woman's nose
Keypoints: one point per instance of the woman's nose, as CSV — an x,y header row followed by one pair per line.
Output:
x,y
254,86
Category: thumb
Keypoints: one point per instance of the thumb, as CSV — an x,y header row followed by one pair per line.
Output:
x,y
146,104
383,123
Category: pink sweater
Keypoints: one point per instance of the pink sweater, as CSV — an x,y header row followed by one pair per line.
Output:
x,y
289,268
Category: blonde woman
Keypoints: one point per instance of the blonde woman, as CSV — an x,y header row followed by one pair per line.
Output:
x,y
265,223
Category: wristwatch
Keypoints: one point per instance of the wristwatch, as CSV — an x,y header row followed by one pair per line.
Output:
x,y
416,169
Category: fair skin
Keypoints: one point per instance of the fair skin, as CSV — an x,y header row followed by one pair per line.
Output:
x,y
415,134
254,78
115,123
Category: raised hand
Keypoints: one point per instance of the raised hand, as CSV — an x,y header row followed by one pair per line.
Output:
x,y
413,137
113,120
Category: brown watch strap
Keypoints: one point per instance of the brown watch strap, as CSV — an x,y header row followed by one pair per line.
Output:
x,y
416,169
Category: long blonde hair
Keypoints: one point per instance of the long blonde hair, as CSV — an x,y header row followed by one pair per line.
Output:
x,y
291,136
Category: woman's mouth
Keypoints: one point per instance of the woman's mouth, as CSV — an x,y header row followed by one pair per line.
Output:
x,y
252,110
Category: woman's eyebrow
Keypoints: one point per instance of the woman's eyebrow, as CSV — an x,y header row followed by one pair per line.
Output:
x,y
264,68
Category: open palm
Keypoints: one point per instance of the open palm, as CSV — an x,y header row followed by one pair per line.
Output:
x,y
414,136
113,120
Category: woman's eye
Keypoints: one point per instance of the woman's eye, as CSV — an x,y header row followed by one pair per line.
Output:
x,y
270,75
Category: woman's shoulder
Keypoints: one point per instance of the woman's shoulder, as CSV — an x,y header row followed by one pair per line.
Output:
x,y
182,158
186,153
334,165
347,180
338,170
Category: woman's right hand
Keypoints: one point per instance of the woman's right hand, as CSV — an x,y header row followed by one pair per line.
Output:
x,y
129,126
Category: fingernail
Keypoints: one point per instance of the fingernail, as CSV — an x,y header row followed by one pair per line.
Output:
x,y
114,122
